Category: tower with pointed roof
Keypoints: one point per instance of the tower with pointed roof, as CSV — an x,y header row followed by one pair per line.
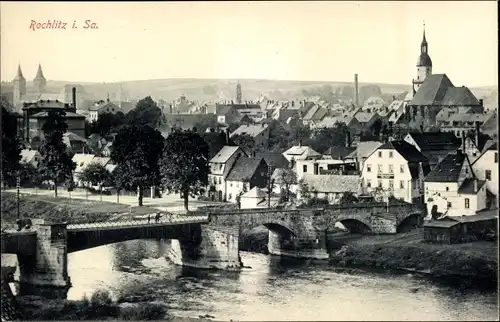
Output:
x,y
424,65
238,93
39,82
19,83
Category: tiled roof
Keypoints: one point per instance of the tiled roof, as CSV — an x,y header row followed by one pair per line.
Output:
x,y
432,90
46,104
447,170
67,115
364,149
316,113
224,154
459,96
364,117
440,223
251,129
101,160
103,105
27,155
407,151
301,152
255,192
73,137
222,109
428,141
274,159
332,183
186,121
82,160
341,152
244,168
467,186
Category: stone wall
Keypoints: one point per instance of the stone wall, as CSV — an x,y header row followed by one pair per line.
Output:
x,y
384,224
218,249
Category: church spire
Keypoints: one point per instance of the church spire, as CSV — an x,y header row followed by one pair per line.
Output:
x,y
424,46
19,72
39,73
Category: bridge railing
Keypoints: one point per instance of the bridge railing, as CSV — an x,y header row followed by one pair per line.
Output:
x,y
164,220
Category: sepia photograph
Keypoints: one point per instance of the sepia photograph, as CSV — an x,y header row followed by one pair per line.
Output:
x,y
211,161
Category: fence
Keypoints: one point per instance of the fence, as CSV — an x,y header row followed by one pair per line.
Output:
x,y
164,220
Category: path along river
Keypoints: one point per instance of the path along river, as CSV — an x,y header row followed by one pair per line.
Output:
x,y
272,289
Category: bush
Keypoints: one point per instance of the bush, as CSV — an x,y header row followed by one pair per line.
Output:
x,y
143,311
101,298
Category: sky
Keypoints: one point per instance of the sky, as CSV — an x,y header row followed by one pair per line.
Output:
x,y
317,41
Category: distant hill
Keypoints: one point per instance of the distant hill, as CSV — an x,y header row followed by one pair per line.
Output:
x,y
212,89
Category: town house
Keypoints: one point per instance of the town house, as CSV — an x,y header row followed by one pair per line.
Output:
x,y
227,114
435,146
486,168
101,108
30,157
259,133
246,174
397,168
452,189
220,166
330,187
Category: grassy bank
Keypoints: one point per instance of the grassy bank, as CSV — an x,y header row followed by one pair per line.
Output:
x,y
475,261
64,209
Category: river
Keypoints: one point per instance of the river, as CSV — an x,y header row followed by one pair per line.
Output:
x,y
272,289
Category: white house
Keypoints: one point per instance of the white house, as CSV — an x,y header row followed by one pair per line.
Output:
x,y
220,166
452,188
398,168
82,161
486,168
255,198
300,152
245,174
323,167
101,108
330,187
31,157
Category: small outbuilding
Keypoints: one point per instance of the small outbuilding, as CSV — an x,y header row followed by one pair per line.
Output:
x,y
442,231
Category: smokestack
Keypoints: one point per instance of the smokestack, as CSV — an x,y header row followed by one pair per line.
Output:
x,y
227,136
74,97
477,134
356,93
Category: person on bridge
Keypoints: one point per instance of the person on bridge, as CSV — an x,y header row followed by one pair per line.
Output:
x,y
157,217
149,218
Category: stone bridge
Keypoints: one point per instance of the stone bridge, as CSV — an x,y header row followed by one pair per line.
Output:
x,y
303,232
42,251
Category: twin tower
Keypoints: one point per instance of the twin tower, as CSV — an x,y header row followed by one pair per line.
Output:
x,y
19,83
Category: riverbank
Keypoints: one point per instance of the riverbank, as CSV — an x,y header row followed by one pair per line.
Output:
x,y
469,263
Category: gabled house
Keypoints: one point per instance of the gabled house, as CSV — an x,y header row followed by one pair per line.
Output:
x,y
82,161
300,152
101,108
259,133
435,146
246,174
275,160
398,169
227,114
367,119
474,144
220,166
364,150
452,189
314,115
485,168
331,187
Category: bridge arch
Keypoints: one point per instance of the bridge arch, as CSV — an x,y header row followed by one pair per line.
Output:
x,y
409,222
280,227
355,225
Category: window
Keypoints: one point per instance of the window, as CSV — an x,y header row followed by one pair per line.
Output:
x,y
368,168
401,168
449,204
304,168
447,189
379,168
368,183
496,157
391,184
380,183
390,154
401,184
487,174
230,196
391,168
220,180
379,154
231,184
467,203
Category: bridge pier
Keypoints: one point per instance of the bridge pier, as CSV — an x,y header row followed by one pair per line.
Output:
x,y
208,248
312,246
49,266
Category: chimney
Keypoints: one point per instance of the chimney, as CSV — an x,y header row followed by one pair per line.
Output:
x,y
477,134
227,136
316,167
356,93
475,185
348,140
481,102
74,97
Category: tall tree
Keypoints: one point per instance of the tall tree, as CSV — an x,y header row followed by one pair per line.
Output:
x,y
11,149
136,151
108,122
55,163
184,166
146,112
96,174
286,178
324,138
244,141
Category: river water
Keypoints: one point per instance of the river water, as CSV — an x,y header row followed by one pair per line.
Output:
x,y
272,289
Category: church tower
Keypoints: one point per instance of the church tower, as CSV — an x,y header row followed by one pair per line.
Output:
x,y
19,86
424,65
39,82
238,93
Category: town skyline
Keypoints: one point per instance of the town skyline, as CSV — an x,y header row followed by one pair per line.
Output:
x,y
252,43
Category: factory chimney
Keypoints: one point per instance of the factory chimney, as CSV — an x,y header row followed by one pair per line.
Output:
x,y
356,91
74,98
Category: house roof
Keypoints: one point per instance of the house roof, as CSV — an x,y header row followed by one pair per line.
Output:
x,y
255,192
274,159
364,149
222,109
459,96
332,183
67,115
101,160
73,137
244,168
407,151
448,170
440,223
341,152
467,186
432,91
103,105
429,141
315,113
224,154
250,129
46,104
82,160
186,121
479,216
364,117
27,155
301,152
